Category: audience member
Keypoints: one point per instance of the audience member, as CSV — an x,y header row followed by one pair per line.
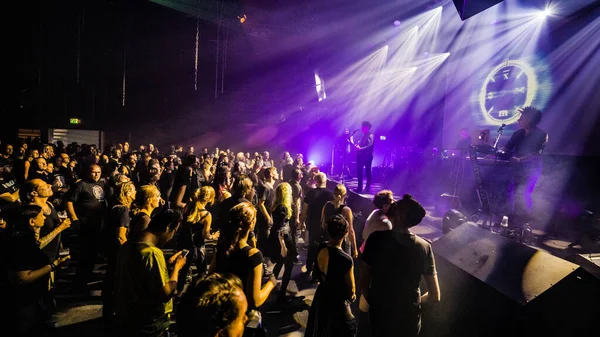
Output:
x,y
144,288
330,311
214,306
312,210
394,262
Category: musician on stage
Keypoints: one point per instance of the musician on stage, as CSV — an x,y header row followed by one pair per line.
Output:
x,y
525,147
464,142
364,156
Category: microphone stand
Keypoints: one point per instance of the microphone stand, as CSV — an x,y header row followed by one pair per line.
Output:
x,y
500,131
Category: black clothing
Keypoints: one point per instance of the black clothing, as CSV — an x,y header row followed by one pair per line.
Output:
x,y
30,303
330,313
315,198
88,199
8,185
18,170
222,211
364,159
329,210
281,226
527,172
166,183
25,254
47,178
267,194
52,221
286,172
240,264
184,176
523,144
366,144
117,217
397,261
139,223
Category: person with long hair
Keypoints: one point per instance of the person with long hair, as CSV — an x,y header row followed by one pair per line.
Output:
x,y
221,185
281,242
235,256
215,305
197,229
147,199
394,263
37,192
330,313
115,232
30,295
338,206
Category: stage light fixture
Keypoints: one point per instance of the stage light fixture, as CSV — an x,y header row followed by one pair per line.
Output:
x,y
320,86
548,11
242,18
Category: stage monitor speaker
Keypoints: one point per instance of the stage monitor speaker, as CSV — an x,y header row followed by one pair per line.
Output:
x,y
493,286
468,8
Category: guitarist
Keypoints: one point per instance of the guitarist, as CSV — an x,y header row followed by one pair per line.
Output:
x,y
525,147
364,156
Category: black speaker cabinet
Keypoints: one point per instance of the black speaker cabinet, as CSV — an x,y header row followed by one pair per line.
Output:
x,y
468,8
493,286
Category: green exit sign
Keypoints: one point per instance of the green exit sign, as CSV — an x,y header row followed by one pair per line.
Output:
x,y
75,121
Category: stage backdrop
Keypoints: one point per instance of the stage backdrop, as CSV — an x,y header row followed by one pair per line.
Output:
x,y
502,61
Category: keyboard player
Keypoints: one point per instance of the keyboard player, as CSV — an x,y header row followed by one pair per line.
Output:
x,y
524,148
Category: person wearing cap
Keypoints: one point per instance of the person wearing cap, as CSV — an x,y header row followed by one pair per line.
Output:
x,y
394,262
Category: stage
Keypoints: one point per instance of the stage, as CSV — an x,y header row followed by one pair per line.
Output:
x,y
362,205
562,243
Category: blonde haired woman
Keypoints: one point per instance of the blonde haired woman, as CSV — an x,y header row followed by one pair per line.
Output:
x,y
282,250
196,229
115,232
337,206
147,199
235,256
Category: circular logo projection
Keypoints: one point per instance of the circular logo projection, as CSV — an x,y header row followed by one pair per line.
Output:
x,y
509,86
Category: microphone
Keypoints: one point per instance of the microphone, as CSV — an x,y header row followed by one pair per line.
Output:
x,y
501,127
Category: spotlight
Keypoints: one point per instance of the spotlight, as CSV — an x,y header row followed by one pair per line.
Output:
x,y
397,23
242,18
545,13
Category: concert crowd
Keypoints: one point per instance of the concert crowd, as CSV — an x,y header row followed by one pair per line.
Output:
x,y
194,243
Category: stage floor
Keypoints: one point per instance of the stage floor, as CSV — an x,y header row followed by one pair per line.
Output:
x,y
559,244
430,228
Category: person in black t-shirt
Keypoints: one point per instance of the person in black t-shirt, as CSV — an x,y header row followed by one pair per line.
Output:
x,y
86,206
235,256
525,147
312,209
185,182
364,156
29,297
9,192
114,232
266,195
394,262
